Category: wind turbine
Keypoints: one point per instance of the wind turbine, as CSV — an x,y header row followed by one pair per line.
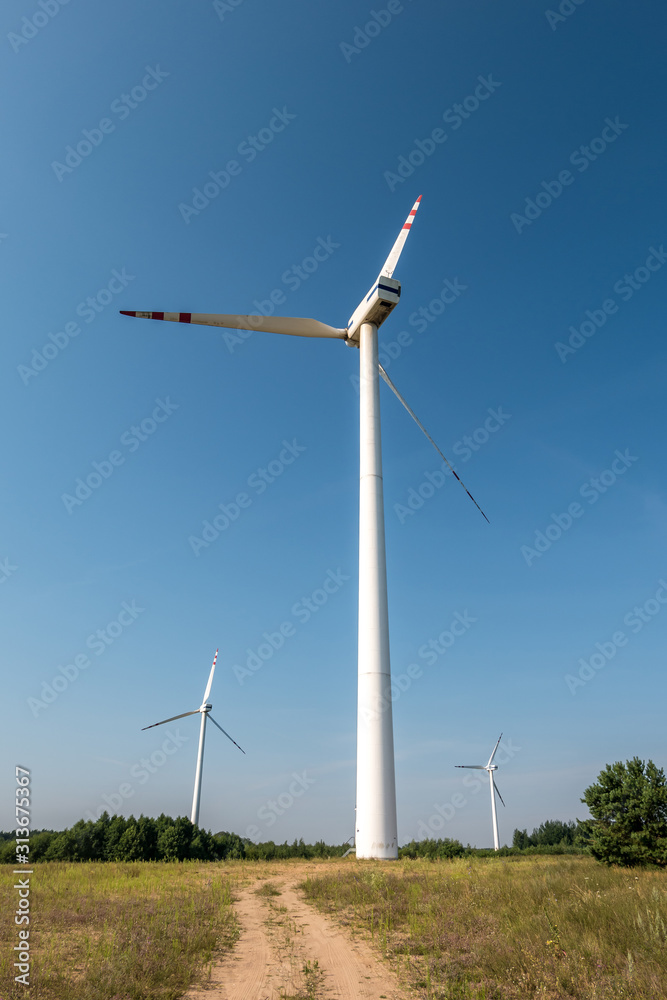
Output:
x,y
376,829
205,710
490,767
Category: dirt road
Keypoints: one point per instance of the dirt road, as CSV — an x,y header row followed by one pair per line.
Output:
x,y
288,949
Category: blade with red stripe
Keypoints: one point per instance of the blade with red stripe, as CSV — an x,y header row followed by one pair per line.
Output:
x,y
392,259
297,326
210,680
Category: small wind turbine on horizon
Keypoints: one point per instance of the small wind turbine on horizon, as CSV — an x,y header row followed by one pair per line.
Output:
x,y
490,767
205,710
376,827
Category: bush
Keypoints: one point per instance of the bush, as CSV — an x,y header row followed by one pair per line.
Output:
x,y
432,849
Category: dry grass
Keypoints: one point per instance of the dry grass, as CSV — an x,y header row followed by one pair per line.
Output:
x,y
131,931
512,928
267,889
496,929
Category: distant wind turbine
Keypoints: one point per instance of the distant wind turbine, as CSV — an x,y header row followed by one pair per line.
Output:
x,y
205,710
490,767
376,828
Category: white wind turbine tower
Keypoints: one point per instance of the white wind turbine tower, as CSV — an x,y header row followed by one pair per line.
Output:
x,y
205,710
490,767
376,829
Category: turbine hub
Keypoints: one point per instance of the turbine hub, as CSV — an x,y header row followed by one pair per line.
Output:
x,y
206,708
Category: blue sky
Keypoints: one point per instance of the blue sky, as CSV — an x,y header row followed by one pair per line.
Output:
x,y
536,140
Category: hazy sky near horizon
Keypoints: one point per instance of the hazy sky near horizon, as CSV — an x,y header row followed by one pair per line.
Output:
x,y
168,489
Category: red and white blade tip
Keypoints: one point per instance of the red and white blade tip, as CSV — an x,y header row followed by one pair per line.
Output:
x,y
210,679
392,260
408,221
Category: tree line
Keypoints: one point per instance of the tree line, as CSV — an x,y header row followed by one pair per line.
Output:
x,y
553,833
115,838
628,826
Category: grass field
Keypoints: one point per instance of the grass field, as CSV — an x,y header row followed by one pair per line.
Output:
x,y
510,928
117,931
468,929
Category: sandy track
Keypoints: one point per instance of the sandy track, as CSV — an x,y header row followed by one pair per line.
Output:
x,y
279,935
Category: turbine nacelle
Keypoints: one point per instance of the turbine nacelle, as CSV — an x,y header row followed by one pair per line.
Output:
x,y
206,708
374,308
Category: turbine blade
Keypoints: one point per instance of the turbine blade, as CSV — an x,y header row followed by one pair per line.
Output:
x,y
497,792
476,767
494,749
210,680
296,326
420,425
223,731
173,719
392,259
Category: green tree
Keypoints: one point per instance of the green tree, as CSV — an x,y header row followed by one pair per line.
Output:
x,y
147,836
229,845
113,831
8,852
554,831
129,847
174,838
629,809
203,847
62,848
